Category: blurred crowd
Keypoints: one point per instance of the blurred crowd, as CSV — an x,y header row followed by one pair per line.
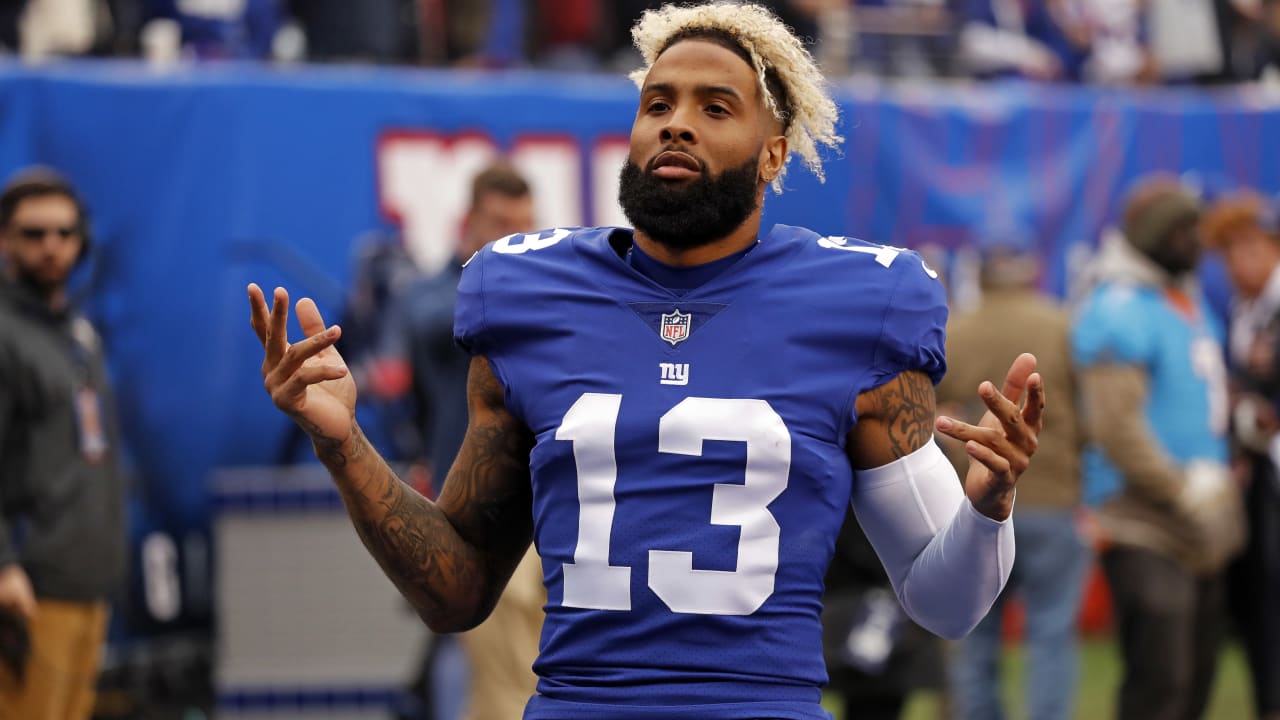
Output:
x,y
1117,42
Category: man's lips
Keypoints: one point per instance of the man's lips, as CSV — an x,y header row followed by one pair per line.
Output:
x,y
675,165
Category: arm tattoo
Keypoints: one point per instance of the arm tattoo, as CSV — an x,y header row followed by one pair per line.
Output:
x,y
906,406
489,483
451,559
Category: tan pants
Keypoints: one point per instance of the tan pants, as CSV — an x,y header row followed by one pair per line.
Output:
x,y
62,670
502,649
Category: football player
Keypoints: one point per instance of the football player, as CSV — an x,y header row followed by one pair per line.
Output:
x,y
678,414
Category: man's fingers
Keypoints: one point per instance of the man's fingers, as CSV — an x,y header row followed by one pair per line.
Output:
x,y
258,313
993,440
1015,381
1003,408
299,352
995,462
309,317
277,336
288,393
963,431
1033,410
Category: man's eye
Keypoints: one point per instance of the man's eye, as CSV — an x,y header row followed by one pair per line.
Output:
x,y
717,110
658,106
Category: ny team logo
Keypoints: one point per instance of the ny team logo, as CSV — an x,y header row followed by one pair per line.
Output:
x,y
675,326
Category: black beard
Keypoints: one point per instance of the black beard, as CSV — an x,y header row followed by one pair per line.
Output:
x,y
692,214
36,285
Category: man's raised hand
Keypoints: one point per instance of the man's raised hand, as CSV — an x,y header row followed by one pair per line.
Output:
x,y
1004,439
307,380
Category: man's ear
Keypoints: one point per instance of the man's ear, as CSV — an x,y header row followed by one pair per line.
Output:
x,y
773,155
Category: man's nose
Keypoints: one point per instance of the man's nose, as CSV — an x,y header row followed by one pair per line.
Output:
x,y
678,129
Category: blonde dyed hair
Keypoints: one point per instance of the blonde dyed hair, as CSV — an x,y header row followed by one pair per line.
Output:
x,y
810,115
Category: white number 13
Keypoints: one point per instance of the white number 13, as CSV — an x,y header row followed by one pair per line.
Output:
x,y
591,582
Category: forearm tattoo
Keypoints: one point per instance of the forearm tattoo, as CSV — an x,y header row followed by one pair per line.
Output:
x,y
451,559
906,407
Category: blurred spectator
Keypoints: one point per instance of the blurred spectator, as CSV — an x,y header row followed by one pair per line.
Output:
x,y
58,27
1269,47
1036,40
220,30
618,17
62,531
1154,385
1098,41
473,33
876,656
379,31
899,37
1243,227
565,34
1052,561
499,653
121,39
1186,39
373,344
1118,53
10,16
501,204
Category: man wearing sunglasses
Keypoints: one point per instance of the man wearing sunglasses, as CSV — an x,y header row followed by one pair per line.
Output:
x,y
59,476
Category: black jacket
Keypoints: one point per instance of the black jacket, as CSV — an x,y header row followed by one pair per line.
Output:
x,y
61,500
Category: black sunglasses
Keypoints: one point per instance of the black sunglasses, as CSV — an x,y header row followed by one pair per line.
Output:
x,y
32,232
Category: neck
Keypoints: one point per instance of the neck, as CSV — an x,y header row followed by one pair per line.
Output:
x,y
741,238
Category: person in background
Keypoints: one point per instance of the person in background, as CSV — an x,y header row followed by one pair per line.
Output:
x,y
500,652
501,203
1052,562
243,30
1009,38
60,476
1243,227
1149,357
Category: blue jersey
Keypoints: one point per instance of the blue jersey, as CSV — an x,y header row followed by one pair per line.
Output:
x,y
1180,351
689,472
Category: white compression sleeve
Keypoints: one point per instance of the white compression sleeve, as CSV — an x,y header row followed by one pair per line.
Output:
x,y
947,561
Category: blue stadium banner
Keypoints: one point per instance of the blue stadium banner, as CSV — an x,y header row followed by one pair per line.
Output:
x,y
202,180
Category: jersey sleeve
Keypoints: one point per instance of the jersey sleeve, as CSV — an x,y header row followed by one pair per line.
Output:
x,y
1111,328
470,331
913,333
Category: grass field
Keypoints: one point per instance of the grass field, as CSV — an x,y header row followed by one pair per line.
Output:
x,y
1099,678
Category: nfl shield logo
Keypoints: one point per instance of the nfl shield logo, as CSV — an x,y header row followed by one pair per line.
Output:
x,y
675,326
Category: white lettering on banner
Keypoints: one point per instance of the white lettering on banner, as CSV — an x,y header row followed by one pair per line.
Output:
x,y
553,167
606,162
424,183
